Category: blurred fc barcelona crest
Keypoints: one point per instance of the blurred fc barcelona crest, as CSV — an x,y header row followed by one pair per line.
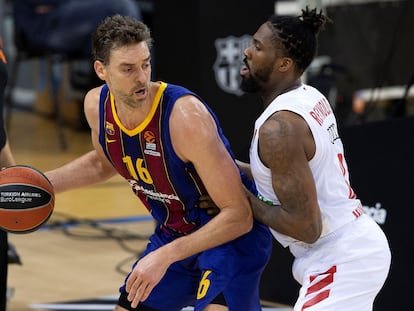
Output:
x,y
228,62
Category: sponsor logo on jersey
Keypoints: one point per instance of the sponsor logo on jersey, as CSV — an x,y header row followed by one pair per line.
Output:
x,y
152,194
150,144
110,140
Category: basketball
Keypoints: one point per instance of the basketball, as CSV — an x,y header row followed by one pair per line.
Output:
x,y
27,199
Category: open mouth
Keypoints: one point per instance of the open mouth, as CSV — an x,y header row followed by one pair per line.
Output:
x,y
141,92
244,69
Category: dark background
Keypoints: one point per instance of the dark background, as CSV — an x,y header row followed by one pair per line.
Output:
x,y
370,46
185,54
373,41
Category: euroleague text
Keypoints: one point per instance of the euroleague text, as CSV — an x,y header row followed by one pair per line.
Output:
x,y
18,196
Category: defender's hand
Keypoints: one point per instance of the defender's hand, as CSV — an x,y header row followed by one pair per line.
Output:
x,y
206,203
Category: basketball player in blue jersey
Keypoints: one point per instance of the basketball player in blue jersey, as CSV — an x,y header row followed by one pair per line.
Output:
x,y
167,144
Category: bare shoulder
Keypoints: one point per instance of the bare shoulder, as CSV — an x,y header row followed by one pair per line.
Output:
x,y
192,127
190,107
91,106
92,97
282,126
281,137
190,114
91,101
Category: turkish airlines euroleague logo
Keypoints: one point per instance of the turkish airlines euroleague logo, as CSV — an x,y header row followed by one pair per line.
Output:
x,y
150,143
149,137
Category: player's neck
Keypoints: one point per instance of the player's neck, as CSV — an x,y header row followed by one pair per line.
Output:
x,y
132,116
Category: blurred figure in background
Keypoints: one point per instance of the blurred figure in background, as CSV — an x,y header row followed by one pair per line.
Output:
x,y
65,26
6,157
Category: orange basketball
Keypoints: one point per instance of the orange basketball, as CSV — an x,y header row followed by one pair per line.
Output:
x,y
27,199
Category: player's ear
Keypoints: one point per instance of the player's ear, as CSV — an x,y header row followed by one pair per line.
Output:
x,y
285,64
99,69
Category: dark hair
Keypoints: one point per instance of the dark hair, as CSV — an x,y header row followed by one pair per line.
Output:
x,y
298,35
117,31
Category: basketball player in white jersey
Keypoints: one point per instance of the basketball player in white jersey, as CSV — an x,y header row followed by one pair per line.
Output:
x,y
342,256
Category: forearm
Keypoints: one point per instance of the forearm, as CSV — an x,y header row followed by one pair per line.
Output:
x,y
83,171
6,156
300,226
264,212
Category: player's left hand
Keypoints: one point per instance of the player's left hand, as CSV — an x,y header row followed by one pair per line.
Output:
x,y
145,276
206,203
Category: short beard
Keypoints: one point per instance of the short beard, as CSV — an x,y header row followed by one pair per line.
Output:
x,y
249,85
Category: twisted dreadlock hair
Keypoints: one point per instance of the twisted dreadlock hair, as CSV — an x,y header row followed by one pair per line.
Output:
x,y
298,35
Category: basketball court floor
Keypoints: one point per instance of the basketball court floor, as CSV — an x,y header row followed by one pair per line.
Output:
x,y
80,257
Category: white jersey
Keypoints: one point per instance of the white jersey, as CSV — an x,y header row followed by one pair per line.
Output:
x,y
336,199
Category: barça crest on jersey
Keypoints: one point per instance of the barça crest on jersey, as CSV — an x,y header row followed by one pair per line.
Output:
x,y
228,62
109,128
